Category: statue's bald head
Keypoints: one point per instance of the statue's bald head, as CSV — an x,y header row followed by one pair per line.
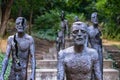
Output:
x,y
79,32
94,18
21,24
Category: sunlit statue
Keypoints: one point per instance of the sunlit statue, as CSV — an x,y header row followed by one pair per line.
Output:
x,y
94,38
60,41
64,24
19,47
78,61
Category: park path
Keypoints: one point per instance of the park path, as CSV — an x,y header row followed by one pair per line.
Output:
x,y
46,62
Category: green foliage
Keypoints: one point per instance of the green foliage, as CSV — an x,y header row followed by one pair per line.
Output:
x,y
111,31
8,68
109,13
71,17
48,34
47,25
49,20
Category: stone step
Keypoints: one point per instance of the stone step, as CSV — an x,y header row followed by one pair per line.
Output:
x,y
105,54
46,56
45,64
51,74
52,50
110,74
45,74
107,64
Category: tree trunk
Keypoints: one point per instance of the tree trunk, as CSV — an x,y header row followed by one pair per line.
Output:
x,y
20,11
5,10
0,15
30,23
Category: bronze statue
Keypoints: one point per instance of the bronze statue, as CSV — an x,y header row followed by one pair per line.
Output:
x,y
64,24
19,46
78,61
94,39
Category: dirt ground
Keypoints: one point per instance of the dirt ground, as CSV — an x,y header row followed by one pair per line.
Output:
x,y
110,42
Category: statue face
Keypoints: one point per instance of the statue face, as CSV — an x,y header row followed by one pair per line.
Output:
x,y
21,24
94,18
79,33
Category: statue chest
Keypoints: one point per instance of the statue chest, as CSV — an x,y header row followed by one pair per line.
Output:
x,y
93,32
22,44
78,64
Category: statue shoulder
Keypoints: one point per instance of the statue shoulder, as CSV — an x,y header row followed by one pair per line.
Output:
x,y
90,27
92,52
29,37
10,38
66,51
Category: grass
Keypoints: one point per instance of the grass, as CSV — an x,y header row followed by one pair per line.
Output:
x,y
2,55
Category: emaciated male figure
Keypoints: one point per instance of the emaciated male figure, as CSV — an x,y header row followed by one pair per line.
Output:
x,y
76,62
94,38
19,46
64,25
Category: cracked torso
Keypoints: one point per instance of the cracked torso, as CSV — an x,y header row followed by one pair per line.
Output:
x,y
77,66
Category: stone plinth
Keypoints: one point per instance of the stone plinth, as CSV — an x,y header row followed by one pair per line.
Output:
x,y
107,63
110,74
44,74
45,64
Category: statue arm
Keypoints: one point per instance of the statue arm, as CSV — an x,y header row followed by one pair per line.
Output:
x,y
6,59
98,73
33,60
60,66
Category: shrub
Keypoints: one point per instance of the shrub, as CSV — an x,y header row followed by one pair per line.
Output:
x,y
8,68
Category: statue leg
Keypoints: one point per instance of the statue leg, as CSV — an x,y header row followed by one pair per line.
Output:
x,y
101,59
63,43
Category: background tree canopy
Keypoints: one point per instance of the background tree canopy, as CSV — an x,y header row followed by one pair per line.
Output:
x,y
45,14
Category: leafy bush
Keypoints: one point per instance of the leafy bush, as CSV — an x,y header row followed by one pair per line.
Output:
x,y
111,31
48,34
50,20
71,17
47,25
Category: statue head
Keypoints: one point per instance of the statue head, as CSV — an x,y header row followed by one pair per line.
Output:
x,y
76,18
94,18
62,16
79,33
21,24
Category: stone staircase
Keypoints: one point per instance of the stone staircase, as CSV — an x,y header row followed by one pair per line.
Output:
x,y
46,66
108,72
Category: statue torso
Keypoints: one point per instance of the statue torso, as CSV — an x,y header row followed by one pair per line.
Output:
x,y
78,66
23,49
93,31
